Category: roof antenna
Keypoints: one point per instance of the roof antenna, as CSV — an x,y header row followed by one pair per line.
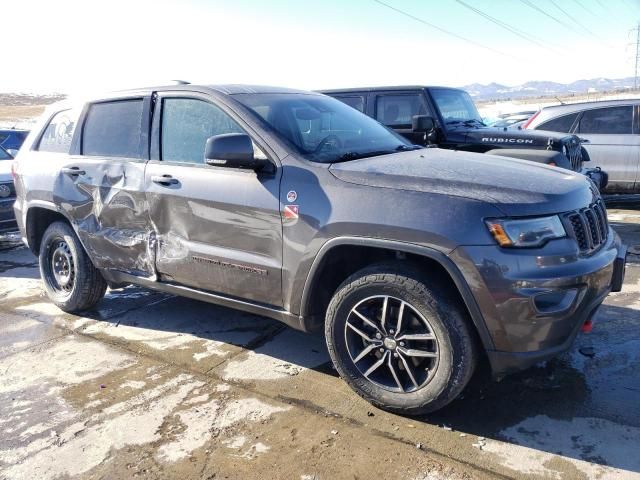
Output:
x,y
561,102
181,82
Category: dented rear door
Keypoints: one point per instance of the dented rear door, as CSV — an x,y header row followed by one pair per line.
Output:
x,y
218,229
113,222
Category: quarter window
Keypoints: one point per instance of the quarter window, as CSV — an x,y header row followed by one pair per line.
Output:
x,y
561,124
187,124
114,129
398,110
610,120
59,132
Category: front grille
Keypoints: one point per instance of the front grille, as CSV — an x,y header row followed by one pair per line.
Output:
x,y
575,156
589,227
12,190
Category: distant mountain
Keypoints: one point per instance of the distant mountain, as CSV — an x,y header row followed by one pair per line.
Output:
x,y
495,91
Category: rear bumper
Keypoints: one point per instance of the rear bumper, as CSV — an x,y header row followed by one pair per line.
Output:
x,y
535,301
7,217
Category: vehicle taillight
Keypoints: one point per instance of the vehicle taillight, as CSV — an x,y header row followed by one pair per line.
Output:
x,y
526,125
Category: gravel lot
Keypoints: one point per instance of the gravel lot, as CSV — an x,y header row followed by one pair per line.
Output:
x,y
155,386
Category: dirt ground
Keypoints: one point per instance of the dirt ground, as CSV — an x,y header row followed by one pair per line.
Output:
x,y
154,386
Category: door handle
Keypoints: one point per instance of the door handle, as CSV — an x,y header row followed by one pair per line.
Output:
x,y
72,171
165,180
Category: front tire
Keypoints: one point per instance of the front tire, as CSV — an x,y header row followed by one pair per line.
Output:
x,y
399,342
70,279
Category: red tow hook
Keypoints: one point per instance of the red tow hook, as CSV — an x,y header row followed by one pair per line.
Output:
x,y
587,326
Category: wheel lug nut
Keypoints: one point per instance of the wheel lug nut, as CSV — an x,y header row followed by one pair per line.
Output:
x,y
392,331
395,354
402,344
381,350
378,335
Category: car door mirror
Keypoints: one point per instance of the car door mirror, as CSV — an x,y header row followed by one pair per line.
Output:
x,y
232,150
422,123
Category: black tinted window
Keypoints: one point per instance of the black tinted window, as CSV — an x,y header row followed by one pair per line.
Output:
x,y
58,134
610,120
397,110
355,102
561,124
4,155
186,126
113,129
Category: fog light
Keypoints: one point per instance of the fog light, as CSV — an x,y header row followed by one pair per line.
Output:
x,y
555,301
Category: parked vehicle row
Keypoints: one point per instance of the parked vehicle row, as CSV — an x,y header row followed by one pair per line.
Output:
x,y
611,134
448,118
295,206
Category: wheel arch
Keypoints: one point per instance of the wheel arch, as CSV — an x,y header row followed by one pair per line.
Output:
x,y
334,253
37,218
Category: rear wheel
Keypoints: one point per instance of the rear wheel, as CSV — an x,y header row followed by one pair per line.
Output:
x,y
70,279
399,342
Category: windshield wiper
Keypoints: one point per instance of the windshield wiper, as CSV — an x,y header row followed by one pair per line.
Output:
x,y
356,155
406,148
474,121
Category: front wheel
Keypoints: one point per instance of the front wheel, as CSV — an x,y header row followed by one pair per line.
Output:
x,y
70,279
402,344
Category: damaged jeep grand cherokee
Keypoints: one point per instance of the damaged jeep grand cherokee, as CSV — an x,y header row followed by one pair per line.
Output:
x,y
416,262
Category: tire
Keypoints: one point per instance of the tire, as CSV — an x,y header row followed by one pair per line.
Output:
x,y
429,311
74,285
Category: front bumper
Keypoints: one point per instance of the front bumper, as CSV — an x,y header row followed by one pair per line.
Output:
x,y
597,176
534,301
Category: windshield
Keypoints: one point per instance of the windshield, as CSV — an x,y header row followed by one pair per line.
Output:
x,y
4,155
456,106
322,128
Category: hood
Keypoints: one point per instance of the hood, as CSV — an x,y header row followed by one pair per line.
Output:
x,y
515,138
515,187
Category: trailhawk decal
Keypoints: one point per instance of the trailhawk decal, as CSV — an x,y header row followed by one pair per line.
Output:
x,y
507,140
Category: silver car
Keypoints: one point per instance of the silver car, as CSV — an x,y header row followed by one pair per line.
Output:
x,y
612,135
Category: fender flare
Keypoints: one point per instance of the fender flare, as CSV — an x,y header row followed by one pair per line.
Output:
x,y
429,252
45,205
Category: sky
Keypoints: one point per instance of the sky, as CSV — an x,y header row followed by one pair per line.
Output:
x,y
81,46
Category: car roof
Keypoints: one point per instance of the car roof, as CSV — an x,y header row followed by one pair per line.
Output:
x,y
598,103
378,89
226,89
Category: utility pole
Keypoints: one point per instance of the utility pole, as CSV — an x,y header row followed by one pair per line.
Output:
x,y
635,78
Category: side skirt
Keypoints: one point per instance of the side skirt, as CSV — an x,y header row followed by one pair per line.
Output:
x,y
120,278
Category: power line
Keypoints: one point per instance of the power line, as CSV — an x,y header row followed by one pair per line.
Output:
x,y
635,78
574,20
557,20
584,7
526,36
440,29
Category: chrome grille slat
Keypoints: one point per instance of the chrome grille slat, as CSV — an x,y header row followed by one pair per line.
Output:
x,y
589,227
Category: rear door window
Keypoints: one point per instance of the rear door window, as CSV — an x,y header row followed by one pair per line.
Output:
x,y
355,101
607,121
398,110
187,123
114,129
57,136
561,124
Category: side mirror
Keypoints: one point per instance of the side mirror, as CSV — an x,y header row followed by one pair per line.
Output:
x,y
422,123
232,150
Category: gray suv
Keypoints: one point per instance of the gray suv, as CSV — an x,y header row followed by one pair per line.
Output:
x,y
417,262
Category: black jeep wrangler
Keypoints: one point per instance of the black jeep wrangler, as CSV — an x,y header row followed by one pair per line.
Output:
x,y
448,118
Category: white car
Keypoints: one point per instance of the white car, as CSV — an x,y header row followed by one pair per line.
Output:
x,y
611,130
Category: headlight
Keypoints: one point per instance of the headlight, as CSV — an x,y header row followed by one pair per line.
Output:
x,y
528,232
